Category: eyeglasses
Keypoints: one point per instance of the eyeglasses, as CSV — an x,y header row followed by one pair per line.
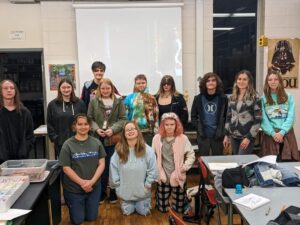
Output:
x,y
130,129
164,84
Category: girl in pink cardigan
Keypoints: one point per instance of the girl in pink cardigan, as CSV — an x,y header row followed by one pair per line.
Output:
x,y
175,156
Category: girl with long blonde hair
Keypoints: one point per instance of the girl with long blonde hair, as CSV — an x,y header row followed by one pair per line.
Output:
x,y
108,114
243,115
133,170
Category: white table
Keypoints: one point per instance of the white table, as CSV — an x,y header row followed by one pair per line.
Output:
x,y
278,195
281,197
240,160
40,132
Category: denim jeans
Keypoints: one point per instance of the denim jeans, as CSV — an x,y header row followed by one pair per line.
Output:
x,y
235,146
205,145
83,206
141,207
104,178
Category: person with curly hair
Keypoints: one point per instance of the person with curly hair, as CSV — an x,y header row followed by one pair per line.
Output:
x,y
209,114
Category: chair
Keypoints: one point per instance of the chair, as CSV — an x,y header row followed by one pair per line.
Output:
x,y
209,198
173,218
205,199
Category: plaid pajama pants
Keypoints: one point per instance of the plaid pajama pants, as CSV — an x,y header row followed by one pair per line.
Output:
x,y
162,195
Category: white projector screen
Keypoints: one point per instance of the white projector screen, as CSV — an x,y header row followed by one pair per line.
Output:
x,y
130,41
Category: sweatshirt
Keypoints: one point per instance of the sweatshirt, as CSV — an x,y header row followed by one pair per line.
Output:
x,y
130,178
184,157
278,116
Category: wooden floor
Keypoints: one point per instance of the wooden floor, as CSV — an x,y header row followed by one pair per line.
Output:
x,y
110,214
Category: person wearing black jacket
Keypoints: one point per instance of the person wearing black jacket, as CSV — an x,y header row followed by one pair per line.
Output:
x,y
16,125
170,100
61,112
209,114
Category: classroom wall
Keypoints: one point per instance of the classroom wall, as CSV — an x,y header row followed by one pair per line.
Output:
x,y
282,21
59,38
25,17
51,26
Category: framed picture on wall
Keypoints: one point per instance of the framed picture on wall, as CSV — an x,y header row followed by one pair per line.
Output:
x,y
60,71
283,54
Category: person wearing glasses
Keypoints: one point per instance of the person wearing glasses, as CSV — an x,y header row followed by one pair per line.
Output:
x,y
16,125
132,171
170,100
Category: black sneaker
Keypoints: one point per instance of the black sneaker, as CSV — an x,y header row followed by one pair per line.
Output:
x,y
112,196
103,197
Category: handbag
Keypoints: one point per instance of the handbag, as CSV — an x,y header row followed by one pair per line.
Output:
x,y
233,176
114,139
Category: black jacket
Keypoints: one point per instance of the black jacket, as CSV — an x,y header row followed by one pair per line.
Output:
x,y
178,106
197,115
59,120
25,132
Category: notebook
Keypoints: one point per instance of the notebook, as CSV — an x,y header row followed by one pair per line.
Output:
x,y
221,166
251,201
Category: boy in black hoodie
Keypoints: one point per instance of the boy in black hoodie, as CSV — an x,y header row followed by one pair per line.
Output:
x,y
208,115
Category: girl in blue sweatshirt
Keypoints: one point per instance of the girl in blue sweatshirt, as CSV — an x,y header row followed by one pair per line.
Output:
x,y
132,171
278,117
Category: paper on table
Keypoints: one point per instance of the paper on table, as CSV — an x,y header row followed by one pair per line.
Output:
x,y
41,130
13,213
252,201
222,166
297,167
271,159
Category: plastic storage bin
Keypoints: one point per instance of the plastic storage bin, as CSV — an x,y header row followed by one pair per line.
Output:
x,y
10,190
34,168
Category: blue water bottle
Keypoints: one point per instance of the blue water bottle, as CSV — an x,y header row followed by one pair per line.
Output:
x,y
238,189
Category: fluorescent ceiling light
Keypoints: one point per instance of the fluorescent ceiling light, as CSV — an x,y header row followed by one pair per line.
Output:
x,y
234,14
223,28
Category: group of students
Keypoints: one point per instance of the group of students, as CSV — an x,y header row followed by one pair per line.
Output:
x,y
130,166
236,120
82,131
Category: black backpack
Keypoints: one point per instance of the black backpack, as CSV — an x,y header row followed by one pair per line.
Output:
x,y
233,176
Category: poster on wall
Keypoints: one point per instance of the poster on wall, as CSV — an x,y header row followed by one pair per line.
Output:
x,y
283,54
60,71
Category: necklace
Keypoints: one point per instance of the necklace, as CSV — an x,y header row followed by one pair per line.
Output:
x,y
166,95
165,100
